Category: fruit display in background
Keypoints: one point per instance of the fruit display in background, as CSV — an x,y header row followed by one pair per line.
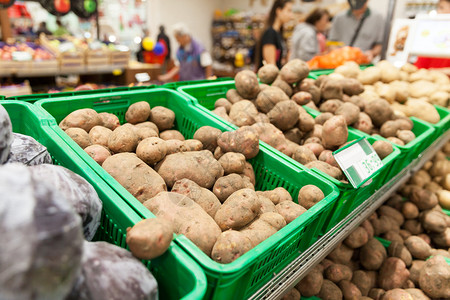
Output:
x,y
37,53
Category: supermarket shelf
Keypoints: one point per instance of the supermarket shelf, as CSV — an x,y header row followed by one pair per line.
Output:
x,y
300,267
43,73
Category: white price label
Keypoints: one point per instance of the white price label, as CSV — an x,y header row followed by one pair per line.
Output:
x,y
358,161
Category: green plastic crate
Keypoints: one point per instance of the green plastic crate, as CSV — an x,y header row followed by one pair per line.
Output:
x,y
444,124
177,84
248,273
36,97
177,274
2,97
446,211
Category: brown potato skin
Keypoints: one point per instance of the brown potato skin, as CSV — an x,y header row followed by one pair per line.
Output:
x,y
225,186
80,136
268,73
162,117
372,255
171,135
382,148
310,284
134,175
289,210
232,162
223,102
309,195
208,136
418,248
334,132
98,152
270,96
294,71
85,118
277,195
326,168
149,238
263,227
244,140
338,272
393,274
230,245
247,84
358,238
434,278
330,291
138,112
123,139
151,150
110,121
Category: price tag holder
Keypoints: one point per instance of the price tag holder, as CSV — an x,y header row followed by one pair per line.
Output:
x,y
142,77
359,161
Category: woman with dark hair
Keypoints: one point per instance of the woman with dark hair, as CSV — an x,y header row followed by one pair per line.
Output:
x,y
271,48
305,44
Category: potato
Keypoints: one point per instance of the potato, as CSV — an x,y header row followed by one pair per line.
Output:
x,y
417,294
326,168
327,156
283,85
310,284
350,112
379,111
304,155
203,197
277,195
315,132
397,293
397,249
289,210
441,252
396,141
338,272
263,227
151,150
382,148
413,226
334,132
441,239
414,270
134,175
267,99
110,121
322,118
306,122
393,274
309,195
85,118
312,89
227,185
138,112
294,135
144,132
331,89
349,69
341,254
271,135
294,71
420,178
370,75
368,227
352,86
247,84
406,136
249,172
243,113
385,210
433,221
331,105
149,238
98,152
349,290
410,210
162,117
363,281
293,294
268,73
422,110
223,102
79,136
221,112
423,199
192,145
440,169
418,248
171,135
208,136
376,294
187,217
284,115
439,98
358,238
410,68
302,98
232,162
392,235
123,139
372,255
244,140
434,278
174,146
266,205
198,166
330,291
233,96
147,124
444,198
230,246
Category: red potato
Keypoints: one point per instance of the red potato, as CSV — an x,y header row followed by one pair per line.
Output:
x,y
98,152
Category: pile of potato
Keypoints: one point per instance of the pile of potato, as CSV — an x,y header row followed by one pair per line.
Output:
x,y
417,228
276,113
203,187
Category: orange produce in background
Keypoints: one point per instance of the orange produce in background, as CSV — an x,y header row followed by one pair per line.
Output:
x,y
338,57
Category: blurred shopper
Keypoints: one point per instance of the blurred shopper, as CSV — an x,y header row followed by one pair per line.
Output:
x,y
305,39
60,30
163,38
43,29
435,62
271,48
359,27
193,62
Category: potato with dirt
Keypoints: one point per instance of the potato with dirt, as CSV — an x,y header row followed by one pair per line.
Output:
x,y
302,98
304,155
134,175
327,156
379,111
294,135
233,96
187,217
266,205
382,148
434,278
263,227
222,102
352,87
372,255
208,136
350,111
225,186
406,136
330,291
123,139
85,118
338,272
79,136
138,112
423,199
310,284
247,84
222,112
277,195
331,89
294,71
232,162
434,221
306,122
243,113
284,115
163,117
99,153
151,150
334,133
144,132
269,97
289,210
393,274
149,238
323,117
418,248
171,135
309,195
358,238
268,73
110,121
331,105
244,140
230,245
397,249
283,85
326,168
198,166
363,281
271,135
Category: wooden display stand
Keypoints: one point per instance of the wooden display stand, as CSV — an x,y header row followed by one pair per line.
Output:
x,y
120,59
67,61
